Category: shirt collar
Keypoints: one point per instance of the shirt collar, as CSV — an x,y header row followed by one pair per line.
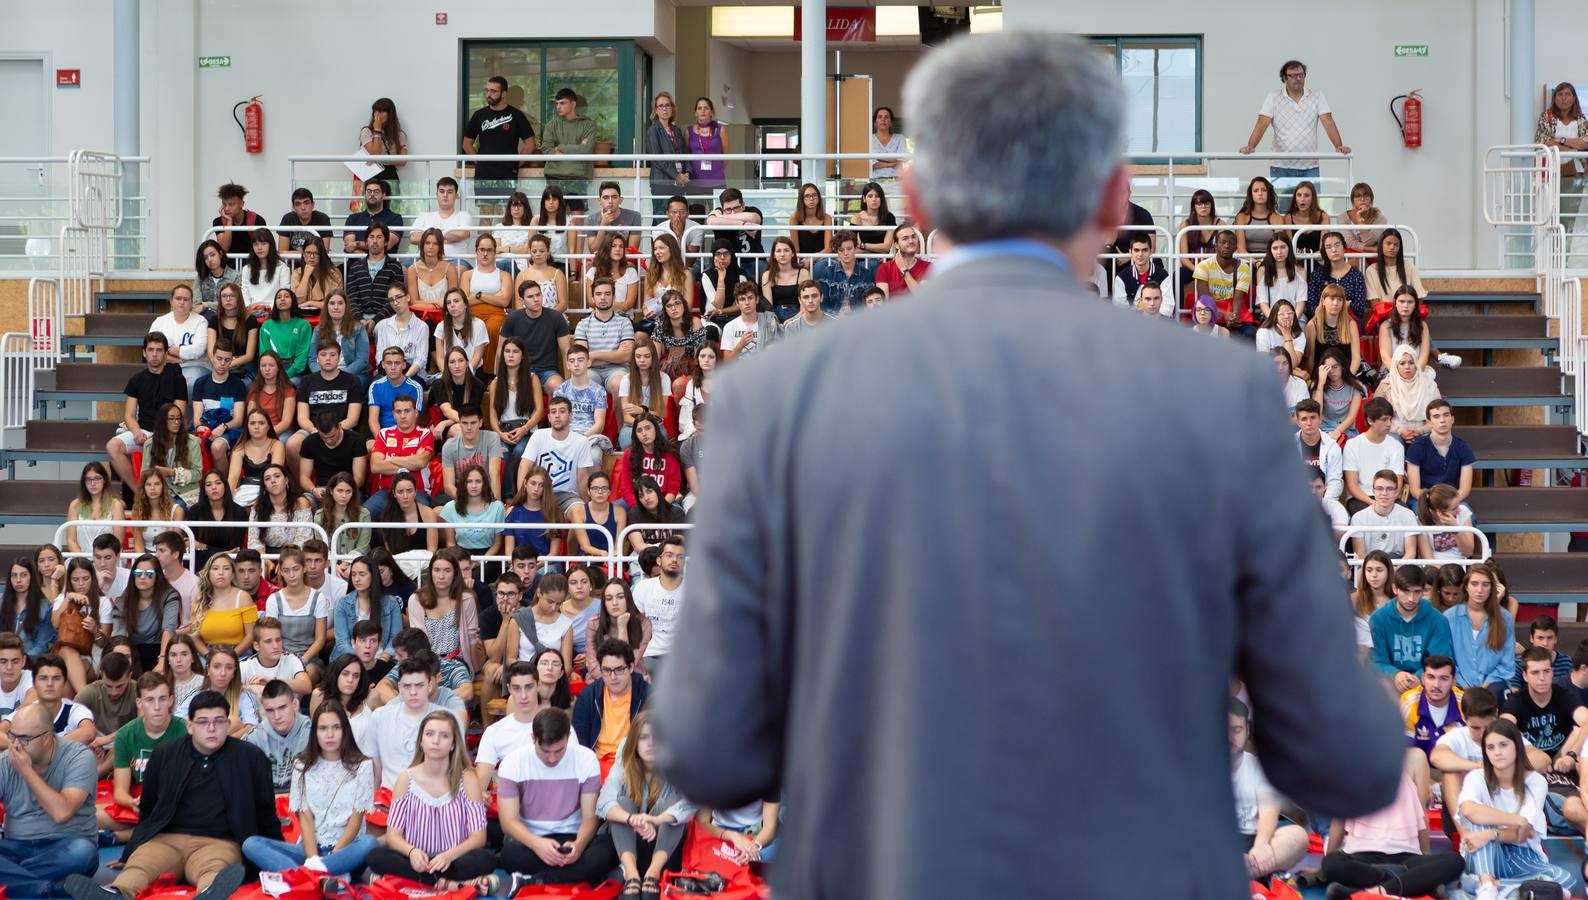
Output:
x,y
1025,247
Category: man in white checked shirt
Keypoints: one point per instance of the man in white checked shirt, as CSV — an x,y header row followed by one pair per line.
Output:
x,y
1295,112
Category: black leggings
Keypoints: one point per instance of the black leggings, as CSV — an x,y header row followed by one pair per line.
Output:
x,y
1406,874
473,864
599,859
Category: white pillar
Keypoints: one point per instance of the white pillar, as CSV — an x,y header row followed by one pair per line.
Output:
x,y
1524,90
126,105
813,86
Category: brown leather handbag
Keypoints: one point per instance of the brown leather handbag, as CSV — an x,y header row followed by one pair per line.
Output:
x,y
74,631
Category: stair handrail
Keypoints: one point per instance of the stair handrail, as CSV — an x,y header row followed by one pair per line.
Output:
x,y
1521,185
16,378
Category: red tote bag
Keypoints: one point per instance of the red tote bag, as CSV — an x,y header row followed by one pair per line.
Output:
x,y
391,887
606,890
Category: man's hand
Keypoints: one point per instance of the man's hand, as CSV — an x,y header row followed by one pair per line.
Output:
x,y
1404,681
1342,149
19,759
1247,149
1563,764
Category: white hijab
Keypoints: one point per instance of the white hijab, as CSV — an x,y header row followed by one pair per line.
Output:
x,y
1410,397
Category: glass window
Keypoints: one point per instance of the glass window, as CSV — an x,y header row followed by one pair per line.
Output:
x,y
519,65
1161,77
609,78
593,73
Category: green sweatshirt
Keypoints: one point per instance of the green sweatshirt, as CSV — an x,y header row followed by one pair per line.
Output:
x,y
292,340
576,135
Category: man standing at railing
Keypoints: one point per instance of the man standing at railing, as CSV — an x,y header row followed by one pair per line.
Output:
x,y
1295,112
497,128
569,134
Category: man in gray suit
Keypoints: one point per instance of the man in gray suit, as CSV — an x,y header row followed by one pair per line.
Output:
x,y
982,650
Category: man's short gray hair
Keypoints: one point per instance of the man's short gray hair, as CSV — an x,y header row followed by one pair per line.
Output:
x,y
1015,134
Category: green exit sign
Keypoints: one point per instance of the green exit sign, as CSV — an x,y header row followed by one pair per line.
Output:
x,y
215,62
1402,50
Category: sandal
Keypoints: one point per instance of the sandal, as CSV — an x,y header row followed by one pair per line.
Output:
x,y
631,887
650,889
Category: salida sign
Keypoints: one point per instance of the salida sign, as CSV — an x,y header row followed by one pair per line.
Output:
x,y
846,24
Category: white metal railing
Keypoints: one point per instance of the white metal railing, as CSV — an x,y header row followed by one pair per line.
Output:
x,y
1484,551
184,527
16,378
47,193
1520,185
621,558
605,559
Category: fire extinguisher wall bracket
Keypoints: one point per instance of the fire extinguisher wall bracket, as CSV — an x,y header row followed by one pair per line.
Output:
x,y
1411,122
252,123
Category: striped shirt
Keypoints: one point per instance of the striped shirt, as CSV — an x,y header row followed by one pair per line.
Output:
x,y
602,337
434,824
549,796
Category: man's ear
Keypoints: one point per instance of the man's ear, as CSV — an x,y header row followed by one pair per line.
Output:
x,y
912,203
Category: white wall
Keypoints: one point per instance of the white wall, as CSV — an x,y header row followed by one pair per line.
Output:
x,y
318,65
1347,46
730,82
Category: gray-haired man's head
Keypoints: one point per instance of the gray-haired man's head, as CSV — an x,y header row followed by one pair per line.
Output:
x,y
1016,134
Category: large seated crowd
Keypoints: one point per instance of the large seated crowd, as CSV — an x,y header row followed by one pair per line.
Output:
x,y
440,479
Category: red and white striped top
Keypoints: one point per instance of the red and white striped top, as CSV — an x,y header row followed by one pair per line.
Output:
x,y
434,824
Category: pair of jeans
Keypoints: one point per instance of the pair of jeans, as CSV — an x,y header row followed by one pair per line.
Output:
x,y
30,867
277,856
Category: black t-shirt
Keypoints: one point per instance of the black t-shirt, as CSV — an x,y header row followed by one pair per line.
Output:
x,y
240,239
540,335
1136,215
1548,726
152,391
296,239
238,334
494,132
446,391
202,809
330,460
334,394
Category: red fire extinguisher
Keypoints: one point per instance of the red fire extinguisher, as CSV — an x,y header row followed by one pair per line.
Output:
x,y
1411,120
252,123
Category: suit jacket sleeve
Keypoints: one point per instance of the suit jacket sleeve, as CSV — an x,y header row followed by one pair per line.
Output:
x,y
1313,703
723,746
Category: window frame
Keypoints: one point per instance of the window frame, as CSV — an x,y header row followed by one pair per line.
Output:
x,y
633,71
1138,41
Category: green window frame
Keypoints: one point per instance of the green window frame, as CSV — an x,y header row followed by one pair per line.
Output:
x,y
1141,61
616,96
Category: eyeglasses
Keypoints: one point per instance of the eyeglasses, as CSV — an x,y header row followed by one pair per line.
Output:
x,y
218,722
508,595
600,487
22,740
143,573
614,672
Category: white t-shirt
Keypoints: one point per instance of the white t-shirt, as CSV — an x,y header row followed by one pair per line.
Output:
x,y
1444,543
576,774
734,330
1391,542
334,588
76,713
1459,741
1251,791
478,337
502,738
662,607
562,459
1295,391
1531,807
286,668
1268,339
1366,458
1292,289
317,605
458,220
9,700
1338,517
1295,124
390,737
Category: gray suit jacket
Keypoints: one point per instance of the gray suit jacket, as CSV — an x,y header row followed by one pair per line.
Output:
x,y
1001,469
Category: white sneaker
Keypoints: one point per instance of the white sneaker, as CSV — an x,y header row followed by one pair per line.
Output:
x,y
1450,360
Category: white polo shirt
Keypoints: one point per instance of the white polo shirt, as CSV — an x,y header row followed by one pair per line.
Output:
x,y
1295,124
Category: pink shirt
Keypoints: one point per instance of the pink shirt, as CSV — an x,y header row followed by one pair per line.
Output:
x,y
1393,829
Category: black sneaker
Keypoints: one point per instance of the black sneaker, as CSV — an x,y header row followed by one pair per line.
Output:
x,y
225,883
81,887
1338,892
